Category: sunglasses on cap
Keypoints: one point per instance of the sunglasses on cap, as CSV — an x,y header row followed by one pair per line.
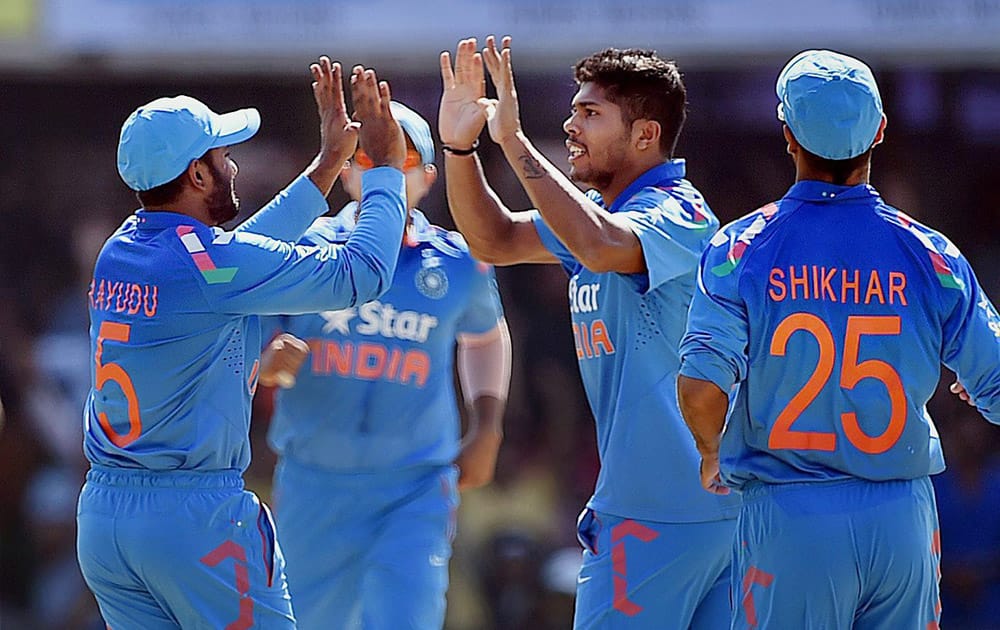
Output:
x,y
413,160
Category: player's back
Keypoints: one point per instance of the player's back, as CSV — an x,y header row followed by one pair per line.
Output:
x,y
848,303
173,377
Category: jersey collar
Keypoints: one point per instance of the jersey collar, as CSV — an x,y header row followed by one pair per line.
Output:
x,y
660,175
161,219
812,190
418,231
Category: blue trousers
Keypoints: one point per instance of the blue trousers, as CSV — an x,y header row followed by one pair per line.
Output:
x,y
366,550
640,575
838,555
186,550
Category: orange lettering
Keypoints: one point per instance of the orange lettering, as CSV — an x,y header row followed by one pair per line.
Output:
x,y
778,291
576,341
134,299
394,357
338,357
799,282
365,367
416,364
826,288
845,285
149,305
600,338
897,284
874,288
585,337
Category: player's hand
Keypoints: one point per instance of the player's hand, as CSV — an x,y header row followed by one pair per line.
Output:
x,y
381,136
959,390
711,479
477,463
338,133
460,117
281,361
502,113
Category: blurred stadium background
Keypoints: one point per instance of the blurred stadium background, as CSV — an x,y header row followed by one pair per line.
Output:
x,y
72,70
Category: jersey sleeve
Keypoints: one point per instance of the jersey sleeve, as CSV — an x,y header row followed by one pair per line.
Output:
x,y
553,244
714,346
247,273
971,332
673,230
484,309
289,214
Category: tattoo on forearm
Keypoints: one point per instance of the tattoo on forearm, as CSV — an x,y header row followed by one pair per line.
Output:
x,y
531,167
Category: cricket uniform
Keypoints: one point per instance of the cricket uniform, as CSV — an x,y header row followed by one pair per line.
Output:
x,y
167,537
656,545
830,313
365,489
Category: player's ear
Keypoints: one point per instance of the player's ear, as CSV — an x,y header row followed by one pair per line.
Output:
x,y
197,174
792,144
646,134
880,134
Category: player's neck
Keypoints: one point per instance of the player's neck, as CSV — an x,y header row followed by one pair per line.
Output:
x,y
623,179
196,211
804,172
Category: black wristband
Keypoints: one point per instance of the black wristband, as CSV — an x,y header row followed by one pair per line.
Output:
x,y
454,151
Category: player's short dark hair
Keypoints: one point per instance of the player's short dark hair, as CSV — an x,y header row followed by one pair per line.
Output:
x,y
169,192
643,85
839,170
163,194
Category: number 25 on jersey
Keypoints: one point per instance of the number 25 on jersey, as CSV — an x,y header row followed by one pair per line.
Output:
x,y
783,436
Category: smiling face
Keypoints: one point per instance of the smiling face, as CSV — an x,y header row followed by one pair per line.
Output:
x,y
598,140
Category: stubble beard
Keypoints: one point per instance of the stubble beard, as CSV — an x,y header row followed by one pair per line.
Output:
x,y
223,204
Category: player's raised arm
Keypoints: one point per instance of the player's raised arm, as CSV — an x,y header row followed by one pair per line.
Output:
x,y
292,210
494,233
598,239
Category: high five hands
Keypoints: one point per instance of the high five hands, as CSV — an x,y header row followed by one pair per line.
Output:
x,y
464,106
372,124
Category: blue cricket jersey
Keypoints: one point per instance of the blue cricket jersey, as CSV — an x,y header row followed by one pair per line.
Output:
x,y
832,312
377,390
174,335
626,329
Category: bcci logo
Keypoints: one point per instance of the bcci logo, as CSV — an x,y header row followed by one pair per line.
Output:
x,y
432,282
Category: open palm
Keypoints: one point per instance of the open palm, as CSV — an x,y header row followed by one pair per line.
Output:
x,y
460,117
502,113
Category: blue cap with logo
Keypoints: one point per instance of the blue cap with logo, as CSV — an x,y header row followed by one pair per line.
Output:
x,y
161,138
830,102
416,129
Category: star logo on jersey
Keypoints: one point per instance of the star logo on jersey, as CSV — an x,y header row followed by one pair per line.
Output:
x,y
339,321
432,282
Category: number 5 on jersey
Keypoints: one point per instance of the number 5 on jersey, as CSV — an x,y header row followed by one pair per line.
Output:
x,y
851,373
104,372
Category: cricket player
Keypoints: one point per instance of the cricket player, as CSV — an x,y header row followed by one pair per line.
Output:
x,y
167,536
365,487
656,547
826,316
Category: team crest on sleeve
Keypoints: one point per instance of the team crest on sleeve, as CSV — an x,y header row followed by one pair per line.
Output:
x,y
945,275
204,262
738,243
431,280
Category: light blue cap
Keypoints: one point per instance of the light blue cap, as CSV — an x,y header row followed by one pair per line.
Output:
x,y
416,129
830,102
160,139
